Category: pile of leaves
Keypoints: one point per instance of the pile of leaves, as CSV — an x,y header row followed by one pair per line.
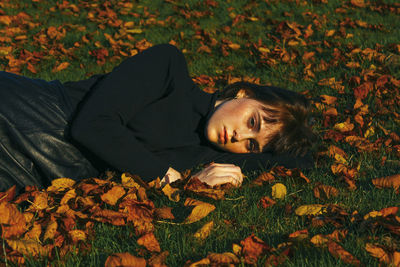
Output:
x,y
60,219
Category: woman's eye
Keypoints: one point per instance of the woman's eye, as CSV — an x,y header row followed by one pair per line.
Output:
x,y
252,145
252,122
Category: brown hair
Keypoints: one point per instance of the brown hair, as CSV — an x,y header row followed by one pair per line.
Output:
x,y
288,108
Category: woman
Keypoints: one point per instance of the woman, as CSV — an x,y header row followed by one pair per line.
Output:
x,y
146,117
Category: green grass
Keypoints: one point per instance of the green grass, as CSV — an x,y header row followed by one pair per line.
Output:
x,y
205,23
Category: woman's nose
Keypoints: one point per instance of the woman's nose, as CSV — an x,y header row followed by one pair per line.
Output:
x,y
241,135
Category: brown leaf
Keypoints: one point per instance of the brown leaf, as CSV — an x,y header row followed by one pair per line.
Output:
x,y
300,234
358,3
51,230
204,231
124,259
203,189
157,260
12,220
329,100
267,202
29,247
223,259
150,242
339,252
325,192
200,210
34,233
264,177
252,248
8,195
164,213
387,182
112,196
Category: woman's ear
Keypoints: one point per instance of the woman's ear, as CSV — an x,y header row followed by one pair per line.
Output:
x,y
244,93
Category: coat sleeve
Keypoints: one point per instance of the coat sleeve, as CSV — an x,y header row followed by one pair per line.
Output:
x,y
100,124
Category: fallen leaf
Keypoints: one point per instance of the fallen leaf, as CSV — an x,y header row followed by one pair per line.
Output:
x,y
171,192
300,234
278,191
150,242
358,3
204,231
377,252
200,210
164,213
124,259
252,248
51,230
313,209
325,192
60,67
223,259
339,252
29,247
387,182
60,184
112,196
267,202
157,260
264,177
8,195
77,235
344,126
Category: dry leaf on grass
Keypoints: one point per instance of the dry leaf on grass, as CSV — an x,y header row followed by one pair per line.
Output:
x,y
204,231
339,252
150,242
387,182
267,202
124,260
201,209
325,192
252,248
278,191
171,192
313,209
112,196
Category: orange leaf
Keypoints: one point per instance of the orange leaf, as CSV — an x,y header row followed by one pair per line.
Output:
x,y
252,248
339,252
113,195
389,211
29,247
387,182
60,67
324,192
327,99
51,230
358,3
34,233
264,177
150,242
300,234
124,259
344,126
377,252
11,216
267,202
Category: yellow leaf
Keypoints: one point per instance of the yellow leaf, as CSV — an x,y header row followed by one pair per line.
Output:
x,y
124,259
313,209
204,231
5,50
377,252
344,126
319,240
60,184
113,195
236,249
234,46
372,214
171,193
128,181
134,30
201,210
329,33
278,191
67,196
369,132
51,230
40,202
264,50
77,235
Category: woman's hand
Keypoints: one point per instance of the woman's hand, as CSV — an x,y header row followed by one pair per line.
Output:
x,y
220,173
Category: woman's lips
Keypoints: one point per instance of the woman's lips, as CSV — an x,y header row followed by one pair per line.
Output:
x,y
223,136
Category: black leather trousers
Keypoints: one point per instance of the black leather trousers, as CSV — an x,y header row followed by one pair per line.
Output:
x,y
35,146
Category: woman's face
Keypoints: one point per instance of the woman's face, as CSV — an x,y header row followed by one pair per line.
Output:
x,y
238,126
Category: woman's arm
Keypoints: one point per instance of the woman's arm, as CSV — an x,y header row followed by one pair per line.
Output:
x,y
100,125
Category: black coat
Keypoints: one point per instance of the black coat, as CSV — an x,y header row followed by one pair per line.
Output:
x,y
143,117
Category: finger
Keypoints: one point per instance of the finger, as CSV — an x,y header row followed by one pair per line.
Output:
x,y
224,180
